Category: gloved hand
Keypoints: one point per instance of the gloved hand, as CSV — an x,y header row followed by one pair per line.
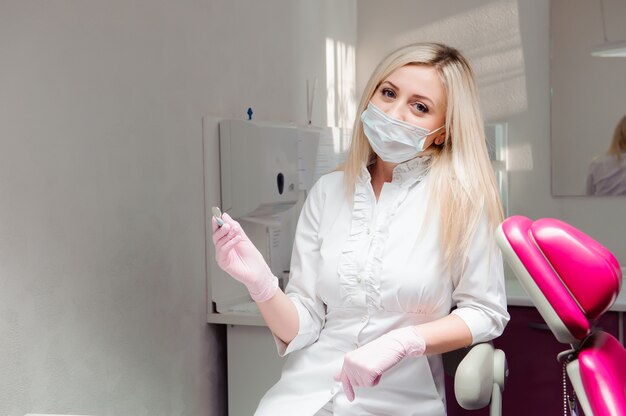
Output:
x,y
364,366
237,256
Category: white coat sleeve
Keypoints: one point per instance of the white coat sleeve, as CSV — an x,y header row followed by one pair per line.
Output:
x,y
479,294
302,286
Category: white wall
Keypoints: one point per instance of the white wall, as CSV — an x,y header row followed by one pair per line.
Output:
x,y
508,44
102,252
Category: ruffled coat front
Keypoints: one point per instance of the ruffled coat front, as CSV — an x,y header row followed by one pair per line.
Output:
x,y
361,268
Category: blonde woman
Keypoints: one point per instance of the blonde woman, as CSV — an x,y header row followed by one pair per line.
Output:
x,y
394,260
607,174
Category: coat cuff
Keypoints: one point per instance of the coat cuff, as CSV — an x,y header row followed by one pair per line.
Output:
x,y
481,327
307,332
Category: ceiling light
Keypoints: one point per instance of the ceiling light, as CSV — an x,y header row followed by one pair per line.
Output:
x,y
610,50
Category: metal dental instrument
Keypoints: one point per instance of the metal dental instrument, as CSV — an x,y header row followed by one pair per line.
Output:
x,y
217,213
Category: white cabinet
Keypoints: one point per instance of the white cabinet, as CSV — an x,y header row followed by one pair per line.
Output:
x,y
253,367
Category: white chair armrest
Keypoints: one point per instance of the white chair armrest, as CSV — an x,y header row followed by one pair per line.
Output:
x,y
480,377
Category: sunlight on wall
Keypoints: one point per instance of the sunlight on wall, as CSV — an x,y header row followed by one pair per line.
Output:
x,y
489,36
340,84
519,157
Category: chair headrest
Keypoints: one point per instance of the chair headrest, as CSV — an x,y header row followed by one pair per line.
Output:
x,y
577,278
588,270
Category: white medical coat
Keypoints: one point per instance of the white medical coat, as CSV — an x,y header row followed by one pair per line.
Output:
x,y
361,268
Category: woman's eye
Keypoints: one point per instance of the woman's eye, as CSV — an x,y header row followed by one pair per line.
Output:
x,y
420,107
388,93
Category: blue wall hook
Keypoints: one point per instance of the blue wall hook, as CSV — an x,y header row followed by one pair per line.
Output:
x,y
249,112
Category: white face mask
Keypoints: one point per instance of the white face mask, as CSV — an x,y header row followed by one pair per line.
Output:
x,y
393,140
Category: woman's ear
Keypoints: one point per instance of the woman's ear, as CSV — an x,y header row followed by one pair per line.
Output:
x,y
440,138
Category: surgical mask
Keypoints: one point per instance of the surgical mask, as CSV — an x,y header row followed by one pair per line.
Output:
x,y
393,140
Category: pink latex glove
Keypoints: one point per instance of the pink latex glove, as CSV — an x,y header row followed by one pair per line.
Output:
x,y
364,366
237,256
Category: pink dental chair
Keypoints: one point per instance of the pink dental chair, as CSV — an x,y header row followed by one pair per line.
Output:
x,y
572,280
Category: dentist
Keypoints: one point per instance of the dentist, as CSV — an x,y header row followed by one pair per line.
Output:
x,y
394,260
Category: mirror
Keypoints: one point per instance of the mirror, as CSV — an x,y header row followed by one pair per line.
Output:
x,y
588,97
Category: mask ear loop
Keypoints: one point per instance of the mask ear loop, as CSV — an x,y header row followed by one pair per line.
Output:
x,y
443,140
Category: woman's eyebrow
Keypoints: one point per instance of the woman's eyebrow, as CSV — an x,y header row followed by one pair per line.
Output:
x,y
420,97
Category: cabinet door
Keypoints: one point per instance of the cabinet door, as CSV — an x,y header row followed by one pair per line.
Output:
x,y
609,322
253,367
534,386
535,383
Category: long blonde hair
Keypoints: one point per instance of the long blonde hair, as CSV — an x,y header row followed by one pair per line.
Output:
x,y
462,182
618,145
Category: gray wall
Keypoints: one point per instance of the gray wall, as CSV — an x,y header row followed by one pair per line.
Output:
x,y
508,44
102,252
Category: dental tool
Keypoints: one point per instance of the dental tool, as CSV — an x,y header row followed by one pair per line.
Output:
x,y
217,213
